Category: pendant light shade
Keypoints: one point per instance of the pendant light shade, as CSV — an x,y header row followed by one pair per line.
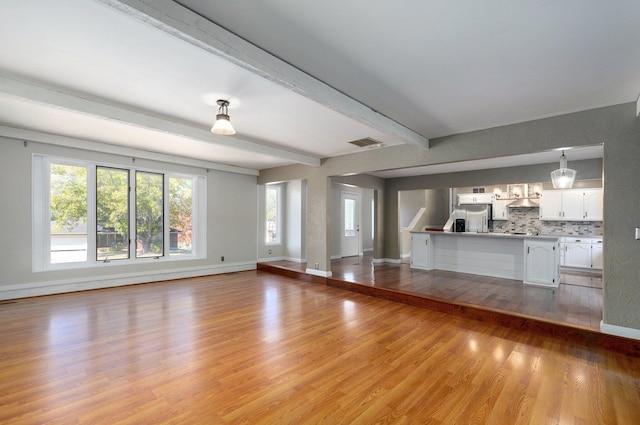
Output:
x,y
563,177
223,121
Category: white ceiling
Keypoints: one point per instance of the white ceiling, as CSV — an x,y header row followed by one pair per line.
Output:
x,y
147,76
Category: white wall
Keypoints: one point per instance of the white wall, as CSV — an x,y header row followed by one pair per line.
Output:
x,y
231,222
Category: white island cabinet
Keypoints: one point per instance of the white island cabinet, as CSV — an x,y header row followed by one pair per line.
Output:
x,y
421,251
541,262
488,254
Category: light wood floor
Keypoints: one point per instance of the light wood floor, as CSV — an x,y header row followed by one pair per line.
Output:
x,y
259,348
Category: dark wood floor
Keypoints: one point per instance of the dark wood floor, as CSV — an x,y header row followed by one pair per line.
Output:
x,y
258,348
577,301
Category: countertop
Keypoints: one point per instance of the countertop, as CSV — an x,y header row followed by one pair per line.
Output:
x,y
491,235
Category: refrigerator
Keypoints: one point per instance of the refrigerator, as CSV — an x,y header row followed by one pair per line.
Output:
x,y
476,217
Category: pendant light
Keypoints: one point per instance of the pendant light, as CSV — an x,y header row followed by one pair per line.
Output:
x,y
223,121
563,177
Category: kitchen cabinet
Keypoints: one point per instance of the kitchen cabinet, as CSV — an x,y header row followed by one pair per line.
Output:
x,y
593,204
422,253
583,253
541,258
571,205
499,211
596,255
475,198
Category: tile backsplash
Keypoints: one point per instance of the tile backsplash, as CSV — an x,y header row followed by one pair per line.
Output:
x,y
527,220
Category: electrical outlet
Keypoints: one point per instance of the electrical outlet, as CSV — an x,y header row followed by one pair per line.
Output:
x,y
269,252
317,266
222,258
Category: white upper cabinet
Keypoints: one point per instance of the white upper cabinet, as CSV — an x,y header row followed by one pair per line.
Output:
x,y
571,205
499,211
593,204
475,198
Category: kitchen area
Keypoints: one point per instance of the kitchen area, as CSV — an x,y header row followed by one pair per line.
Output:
x,y
529,232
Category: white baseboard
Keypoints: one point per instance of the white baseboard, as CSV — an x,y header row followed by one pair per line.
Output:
x,y
267,259
320,273
296,260
34,289
336,257
619,331
389,260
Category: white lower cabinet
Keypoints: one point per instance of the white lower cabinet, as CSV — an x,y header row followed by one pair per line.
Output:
x,y
596,255
581,253
541,258
422,254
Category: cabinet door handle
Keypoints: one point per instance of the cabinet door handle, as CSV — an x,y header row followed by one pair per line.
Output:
x,y
528,249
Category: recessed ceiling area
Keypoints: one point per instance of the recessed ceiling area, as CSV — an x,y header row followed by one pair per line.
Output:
x,y
551,156
147,75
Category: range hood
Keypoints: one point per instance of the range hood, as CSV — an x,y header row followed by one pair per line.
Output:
x,y
523,203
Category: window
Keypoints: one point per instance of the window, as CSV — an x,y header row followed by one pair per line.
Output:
x,y
149,215
68,218
273,208
349,217
373,219
136,214
112,214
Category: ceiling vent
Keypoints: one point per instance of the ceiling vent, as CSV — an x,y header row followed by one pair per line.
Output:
x,y
367,142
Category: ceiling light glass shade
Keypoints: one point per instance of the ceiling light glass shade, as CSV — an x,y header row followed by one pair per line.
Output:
x,y
223,122
223,126
563,177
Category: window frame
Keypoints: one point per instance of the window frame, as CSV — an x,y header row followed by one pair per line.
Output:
x,y
279,220
41,224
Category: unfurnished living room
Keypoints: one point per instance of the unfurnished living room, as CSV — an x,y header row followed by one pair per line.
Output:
x,y
366,212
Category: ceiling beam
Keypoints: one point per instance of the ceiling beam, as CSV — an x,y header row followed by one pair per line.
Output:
x,y
184,24
60,99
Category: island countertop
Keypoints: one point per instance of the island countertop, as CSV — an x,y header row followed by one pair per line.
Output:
x,y
491,235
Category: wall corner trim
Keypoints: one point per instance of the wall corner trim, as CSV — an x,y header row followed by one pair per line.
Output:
x,y
619,331
320,273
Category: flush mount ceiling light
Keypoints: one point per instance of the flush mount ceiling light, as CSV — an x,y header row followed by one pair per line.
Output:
x,y
223,122
563,177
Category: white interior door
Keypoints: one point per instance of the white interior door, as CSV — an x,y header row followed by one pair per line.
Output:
x,y
350,224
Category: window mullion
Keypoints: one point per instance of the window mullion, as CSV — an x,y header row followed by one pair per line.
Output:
x,y
166,234
91,214
133,226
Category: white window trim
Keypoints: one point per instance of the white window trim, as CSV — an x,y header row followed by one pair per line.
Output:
x,y
41,226
279,222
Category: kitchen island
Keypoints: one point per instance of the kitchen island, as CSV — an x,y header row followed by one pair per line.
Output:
x,y
532,259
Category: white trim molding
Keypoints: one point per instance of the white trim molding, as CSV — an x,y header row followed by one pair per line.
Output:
x,y
35,289
619,331
320,273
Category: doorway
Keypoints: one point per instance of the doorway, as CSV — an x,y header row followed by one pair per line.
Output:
x,y
350,224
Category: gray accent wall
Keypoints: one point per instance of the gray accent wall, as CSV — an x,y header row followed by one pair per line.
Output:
x,y
616,126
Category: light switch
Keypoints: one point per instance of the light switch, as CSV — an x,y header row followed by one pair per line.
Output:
x,y
637,232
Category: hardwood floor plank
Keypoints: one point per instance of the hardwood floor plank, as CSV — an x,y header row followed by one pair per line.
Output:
x,y
259,348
